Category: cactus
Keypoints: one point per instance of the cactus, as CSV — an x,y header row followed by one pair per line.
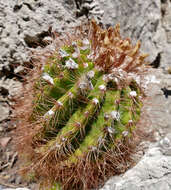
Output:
x,y
88,102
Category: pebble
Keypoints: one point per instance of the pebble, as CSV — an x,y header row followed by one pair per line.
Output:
x,y
4,141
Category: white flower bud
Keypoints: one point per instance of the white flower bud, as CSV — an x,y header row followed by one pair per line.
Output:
x,y
95,101
102,87
86,41
84,48
125,133
110,130
71,64
133,94
106,116
63,53
90,56
75,55
74,44
86,113
85,65
63,139
49,113
111,77
70,94
60,103
90,74
78,124
116,80
120,71
115,115
48,78
83,85
105,78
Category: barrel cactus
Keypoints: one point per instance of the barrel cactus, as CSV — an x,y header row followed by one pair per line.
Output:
x,y
87,102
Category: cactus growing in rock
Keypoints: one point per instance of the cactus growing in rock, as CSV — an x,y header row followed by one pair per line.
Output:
x,y
87,103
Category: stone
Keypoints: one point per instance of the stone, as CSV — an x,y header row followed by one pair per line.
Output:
x,y
4,111
4,141
14,26
139,20
24,188
12,86
1,128
152,172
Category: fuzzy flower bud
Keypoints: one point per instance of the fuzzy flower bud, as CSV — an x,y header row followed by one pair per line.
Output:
x,y
78,124
130,121
48,78
125,133
49,113
83,85
105,78
75,55
63,53
86,41
74,44
60,104
133,94
85,65
70,94
115,115
95,101
102,87
63,139
106,116
71,64
90,74
110,130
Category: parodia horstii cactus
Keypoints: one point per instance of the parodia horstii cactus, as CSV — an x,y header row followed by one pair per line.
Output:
x,y
86,103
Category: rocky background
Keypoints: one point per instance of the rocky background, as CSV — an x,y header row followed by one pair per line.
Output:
x,y
24,26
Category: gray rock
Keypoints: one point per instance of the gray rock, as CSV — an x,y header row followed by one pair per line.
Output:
x,y
3,188
12,86
166,24
139,20
15,189
152,172
4,111
28,17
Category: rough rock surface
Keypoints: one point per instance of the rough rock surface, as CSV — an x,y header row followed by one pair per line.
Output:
x,y
139,20
24,26
4,111
166,24
153,172
22,18
1,188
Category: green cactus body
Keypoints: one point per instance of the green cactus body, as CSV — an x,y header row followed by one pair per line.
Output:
x,y
87,105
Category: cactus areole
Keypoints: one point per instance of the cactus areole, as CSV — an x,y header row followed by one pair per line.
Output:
x,y
87,102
